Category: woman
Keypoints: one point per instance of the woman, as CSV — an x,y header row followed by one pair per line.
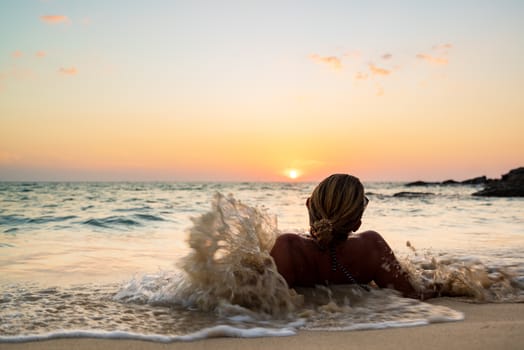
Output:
x,y
333,255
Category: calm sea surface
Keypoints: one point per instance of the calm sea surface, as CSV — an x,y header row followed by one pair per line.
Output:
x,y
113,259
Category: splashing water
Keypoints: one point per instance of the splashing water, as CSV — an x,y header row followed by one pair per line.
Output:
x,y
230,263
229,266
229,271
464,277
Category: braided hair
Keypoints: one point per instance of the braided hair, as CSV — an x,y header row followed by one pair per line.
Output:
x,y
335,209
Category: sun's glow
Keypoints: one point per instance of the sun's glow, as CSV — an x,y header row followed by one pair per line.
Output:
x,y
293,174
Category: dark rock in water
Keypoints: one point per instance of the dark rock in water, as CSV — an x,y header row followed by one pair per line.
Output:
x,y
422,183
475,181
510,185
450,182
413,194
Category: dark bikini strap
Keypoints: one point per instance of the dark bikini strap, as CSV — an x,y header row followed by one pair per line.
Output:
x,y
335,264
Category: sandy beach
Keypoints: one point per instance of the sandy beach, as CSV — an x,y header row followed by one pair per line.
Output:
x,y
486,326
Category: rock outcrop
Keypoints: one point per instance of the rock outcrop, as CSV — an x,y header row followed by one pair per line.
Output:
x,y
413,194
510,185
474,181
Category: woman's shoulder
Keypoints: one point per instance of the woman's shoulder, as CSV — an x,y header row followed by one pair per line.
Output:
x,y
367,243
294,240
370,234
296,246
301,240
366,237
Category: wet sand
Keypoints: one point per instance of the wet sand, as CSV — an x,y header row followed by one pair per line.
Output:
x,y
486,326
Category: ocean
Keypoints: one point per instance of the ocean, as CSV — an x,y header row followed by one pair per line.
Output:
x,y
183,261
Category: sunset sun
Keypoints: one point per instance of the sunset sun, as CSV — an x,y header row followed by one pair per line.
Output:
x,y
293,174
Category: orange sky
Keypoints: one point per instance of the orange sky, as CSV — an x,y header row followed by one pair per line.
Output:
x,y
246,92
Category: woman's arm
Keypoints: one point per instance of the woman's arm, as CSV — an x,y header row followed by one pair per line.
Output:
x,y
388,271
282,253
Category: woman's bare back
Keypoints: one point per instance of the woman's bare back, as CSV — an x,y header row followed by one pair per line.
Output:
x,y
366,256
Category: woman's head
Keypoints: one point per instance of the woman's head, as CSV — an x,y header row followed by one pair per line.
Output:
x,y
335,208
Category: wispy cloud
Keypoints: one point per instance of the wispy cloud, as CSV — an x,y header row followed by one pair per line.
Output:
x,y
378,71
332,61
55,19
366,71
433,59
40,54
440,56
68,71
17,54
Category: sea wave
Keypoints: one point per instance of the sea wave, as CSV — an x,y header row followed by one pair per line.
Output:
x,y
149,217
20,220
49,218
112,222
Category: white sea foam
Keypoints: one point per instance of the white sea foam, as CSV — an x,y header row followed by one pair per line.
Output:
x,y
211,332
